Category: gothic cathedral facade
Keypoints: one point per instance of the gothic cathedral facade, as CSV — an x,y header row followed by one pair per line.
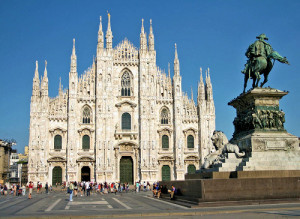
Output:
x,y
123,119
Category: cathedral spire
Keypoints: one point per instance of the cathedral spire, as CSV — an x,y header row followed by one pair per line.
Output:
x,y
151,38
109,35
45,72
73,68
209,92
201,89
36,73
176,62
100,36
143,38
44,85
36,83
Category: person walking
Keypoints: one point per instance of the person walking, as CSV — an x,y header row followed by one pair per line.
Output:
x,y
46,187
5,190
87,188
38,187
30,190
71,188
75,188
145,185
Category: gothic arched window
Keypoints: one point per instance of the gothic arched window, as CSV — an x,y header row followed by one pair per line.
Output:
x,y
165,142
86,142
58,142
126,121
126,84
86,115
164,120
190,141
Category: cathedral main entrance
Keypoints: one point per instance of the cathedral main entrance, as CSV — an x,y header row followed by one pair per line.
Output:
x,y
56,176
126,170
85,174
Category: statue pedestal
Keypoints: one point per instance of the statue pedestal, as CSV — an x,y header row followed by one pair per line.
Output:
x,y
259,131
259,124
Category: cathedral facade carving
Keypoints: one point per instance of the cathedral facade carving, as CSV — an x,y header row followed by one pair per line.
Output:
x,y
123,119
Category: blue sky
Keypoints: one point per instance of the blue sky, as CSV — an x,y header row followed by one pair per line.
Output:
x,y
212,34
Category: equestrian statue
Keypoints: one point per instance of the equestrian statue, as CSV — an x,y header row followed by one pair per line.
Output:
x,y
260,55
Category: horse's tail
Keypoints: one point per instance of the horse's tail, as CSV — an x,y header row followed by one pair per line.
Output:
x,y
276,56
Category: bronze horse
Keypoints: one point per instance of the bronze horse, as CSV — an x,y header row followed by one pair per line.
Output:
x,y
261,66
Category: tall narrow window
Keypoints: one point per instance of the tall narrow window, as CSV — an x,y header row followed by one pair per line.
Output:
x,y
190,141
125,84
164,117
57,142
126,121
165,142
86,142
86,115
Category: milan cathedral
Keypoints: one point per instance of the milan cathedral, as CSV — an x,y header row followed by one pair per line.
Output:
x,y
124,119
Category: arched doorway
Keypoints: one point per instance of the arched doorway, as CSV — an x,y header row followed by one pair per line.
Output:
x,y
165,173
126,170
191,169
85,174
56,176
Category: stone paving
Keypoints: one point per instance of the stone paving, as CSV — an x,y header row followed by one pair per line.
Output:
x,y
129,205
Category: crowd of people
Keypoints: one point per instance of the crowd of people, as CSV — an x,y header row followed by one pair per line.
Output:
x,y
86,188
13,189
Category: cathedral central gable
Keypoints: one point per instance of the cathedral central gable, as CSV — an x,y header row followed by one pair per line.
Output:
x,y
125,53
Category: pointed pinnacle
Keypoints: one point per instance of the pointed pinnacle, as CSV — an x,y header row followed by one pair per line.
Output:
x,y
169,70
108,25
36,73
73,51
201,77
208,74
176,55
151,30
142,28
45,72
100,25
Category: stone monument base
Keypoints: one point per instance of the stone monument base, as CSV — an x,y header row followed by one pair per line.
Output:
x,y
244,174
199,191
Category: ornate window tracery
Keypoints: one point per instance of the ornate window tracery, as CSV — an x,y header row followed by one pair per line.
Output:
x,y
86,115
126,84
164,117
